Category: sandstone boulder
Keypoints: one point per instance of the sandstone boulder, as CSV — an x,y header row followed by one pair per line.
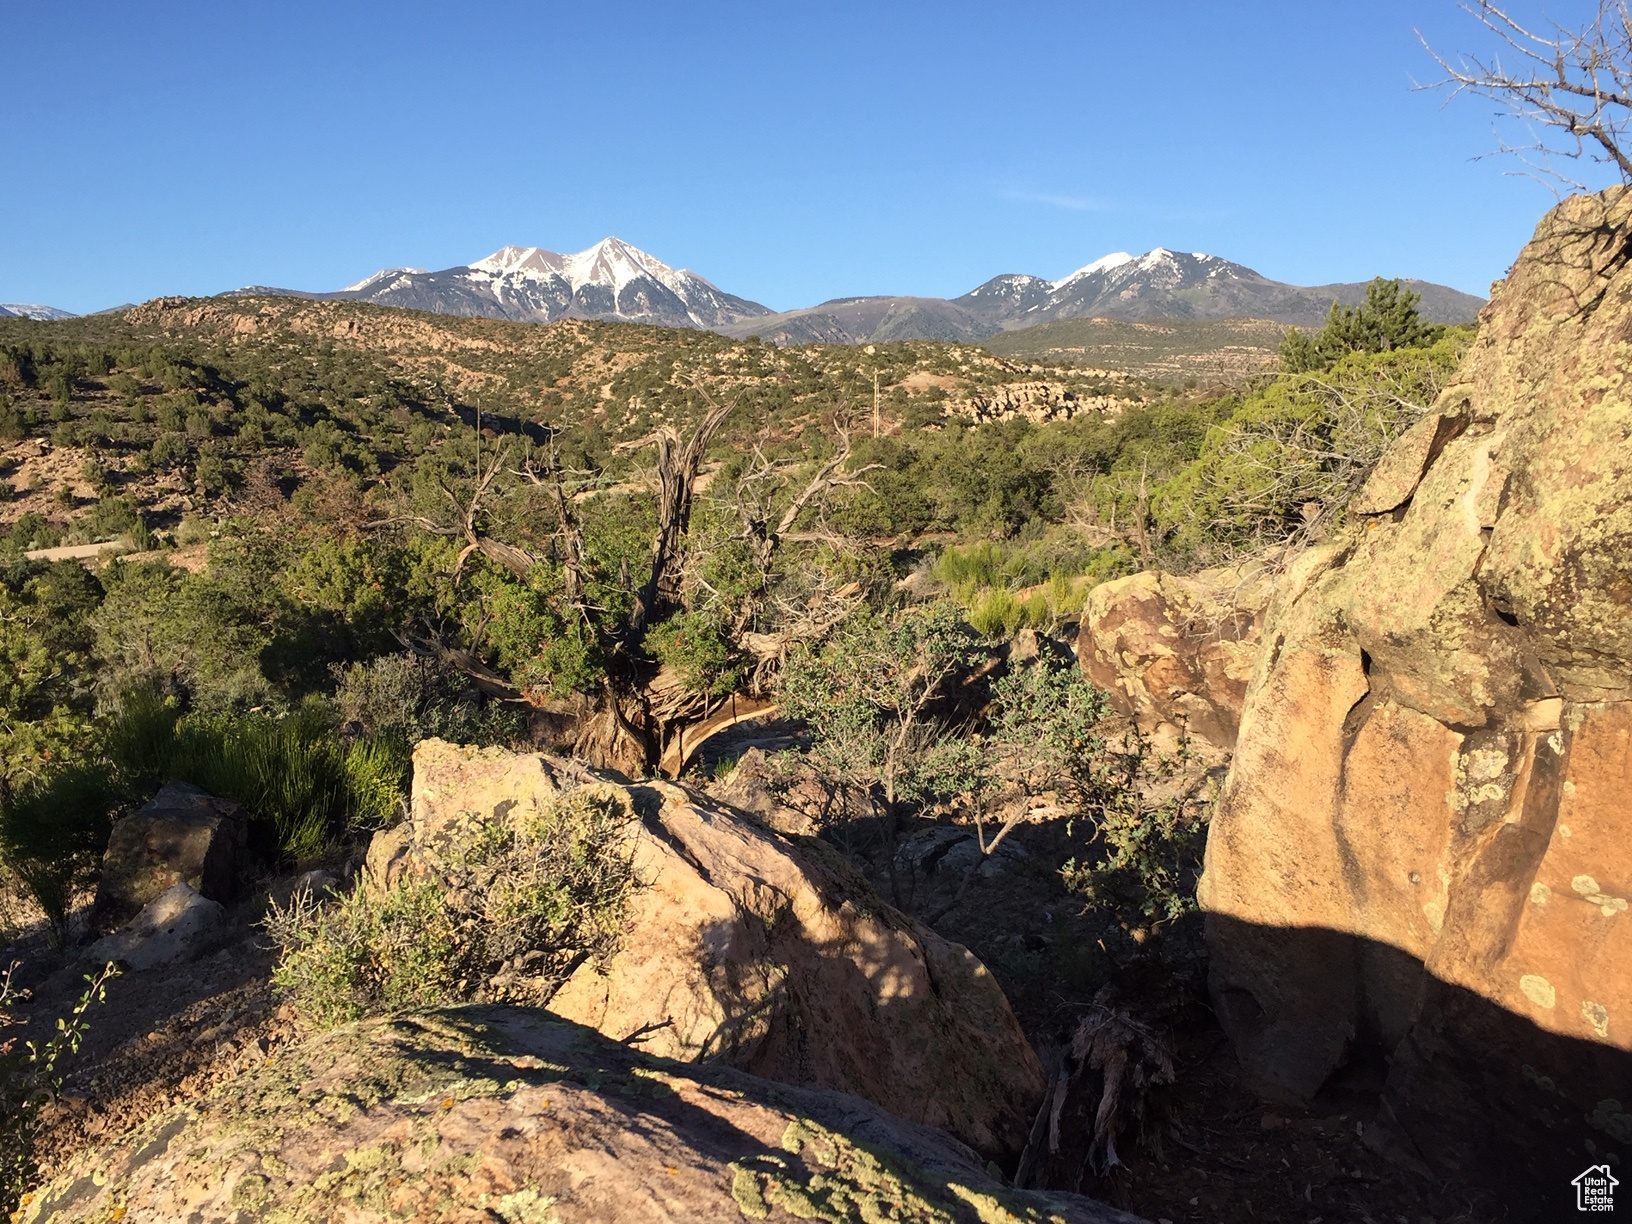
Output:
x,y
1424,845
758,950
513,1115
180,836
1176,651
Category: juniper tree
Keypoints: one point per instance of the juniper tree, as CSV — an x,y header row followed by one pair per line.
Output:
x,y
1385,320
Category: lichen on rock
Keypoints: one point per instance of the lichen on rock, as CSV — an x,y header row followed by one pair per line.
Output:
x,y
1436,746
514,1115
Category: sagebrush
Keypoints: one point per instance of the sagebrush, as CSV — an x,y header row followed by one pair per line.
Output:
x,y
506,911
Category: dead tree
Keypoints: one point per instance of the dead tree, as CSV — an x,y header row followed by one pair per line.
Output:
x,y
764,530
1110,1068
470,510
828,607
1574,82
677,468
569,530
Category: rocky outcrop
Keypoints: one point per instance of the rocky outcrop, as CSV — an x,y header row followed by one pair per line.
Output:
x,y
1177,651
512,1115
180,836
762,951
1424,844
1037,402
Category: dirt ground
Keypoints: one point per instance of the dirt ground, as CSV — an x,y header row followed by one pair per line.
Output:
x,y
161,1038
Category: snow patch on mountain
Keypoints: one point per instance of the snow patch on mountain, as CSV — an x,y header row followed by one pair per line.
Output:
x,y
1103,264
610,280
384,274
31,310
611,263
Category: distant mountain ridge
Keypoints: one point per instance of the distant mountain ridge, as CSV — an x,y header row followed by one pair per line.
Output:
x,y
611,280
616,281
1159,284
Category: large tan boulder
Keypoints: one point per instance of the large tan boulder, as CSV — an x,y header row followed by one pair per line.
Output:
x,y
515,1117
762,951
1177,652
1424,845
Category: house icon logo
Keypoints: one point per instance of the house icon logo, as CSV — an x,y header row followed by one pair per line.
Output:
x,y
1595,1189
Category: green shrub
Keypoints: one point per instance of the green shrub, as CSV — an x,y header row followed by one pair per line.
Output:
x,y
695,647
1295,453
138,732
389,695
53,831
298,781
403,698
513,912
30,1077
869,695
366,952
1047,731
288,773
998,614
377,773
520,628
1147,855
1031,584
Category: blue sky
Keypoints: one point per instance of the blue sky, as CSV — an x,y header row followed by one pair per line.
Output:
x,y
788,152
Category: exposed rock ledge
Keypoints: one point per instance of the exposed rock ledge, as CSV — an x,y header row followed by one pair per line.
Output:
x,y
762,951
1177,652
496,1114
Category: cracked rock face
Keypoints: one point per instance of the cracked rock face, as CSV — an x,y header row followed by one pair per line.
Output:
x,y
510,1114
1425,842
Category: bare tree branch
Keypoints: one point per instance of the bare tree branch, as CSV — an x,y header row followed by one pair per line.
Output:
x,y
570,531
1578,82
756,493
677,467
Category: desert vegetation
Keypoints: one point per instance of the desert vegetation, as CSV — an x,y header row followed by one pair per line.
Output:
x,y
406,529
338,530
387,555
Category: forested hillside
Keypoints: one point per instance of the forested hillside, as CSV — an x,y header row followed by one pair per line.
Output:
x,y
398,523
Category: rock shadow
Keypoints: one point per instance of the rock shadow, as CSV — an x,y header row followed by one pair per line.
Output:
x,y
1474,1093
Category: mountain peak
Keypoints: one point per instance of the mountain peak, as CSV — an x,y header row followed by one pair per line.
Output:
x,y
384,274
33,310
610,280
614,263
519,259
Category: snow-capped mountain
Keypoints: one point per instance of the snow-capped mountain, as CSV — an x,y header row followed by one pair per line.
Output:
x,y
615,281
611,280
28,310
1157,284
385,274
